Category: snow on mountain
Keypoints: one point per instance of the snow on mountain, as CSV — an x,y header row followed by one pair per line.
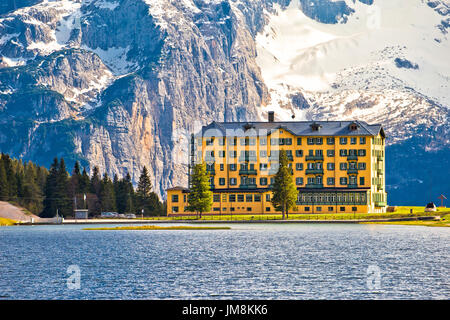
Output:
x,y
349,69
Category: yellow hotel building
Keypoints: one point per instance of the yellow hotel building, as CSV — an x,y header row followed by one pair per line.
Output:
x,y
338,166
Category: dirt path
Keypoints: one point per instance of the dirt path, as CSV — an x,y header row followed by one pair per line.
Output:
x,y
10,211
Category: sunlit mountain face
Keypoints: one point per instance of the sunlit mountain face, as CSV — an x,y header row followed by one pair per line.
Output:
x,y
121,83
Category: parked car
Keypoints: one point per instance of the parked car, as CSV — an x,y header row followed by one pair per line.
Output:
x,y
121,215
109,215
130,216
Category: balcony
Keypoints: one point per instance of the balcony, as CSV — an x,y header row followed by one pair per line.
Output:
x,y
314,158
247,186
314,171
314,186
380,204
352,171
352,157
352,186
247,158
248,172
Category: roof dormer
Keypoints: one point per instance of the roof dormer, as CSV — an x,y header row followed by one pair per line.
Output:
x,y
353,126
315,126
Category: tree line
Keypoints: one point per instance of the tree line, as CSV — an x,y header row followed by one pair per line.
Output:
x,y
46,192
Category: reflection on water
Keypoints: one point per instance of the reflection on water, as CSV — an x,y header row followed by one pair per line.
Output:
x,y
251,261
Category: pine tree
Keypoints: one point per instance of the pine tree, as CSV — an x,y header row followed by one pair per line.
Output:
x,y
284,190
200,196
95,207
85,182
4,190
107,197
143,191
63,195
50,201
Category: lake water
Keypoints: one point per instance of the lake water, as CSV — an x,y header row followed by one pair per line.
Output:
x,y
250,261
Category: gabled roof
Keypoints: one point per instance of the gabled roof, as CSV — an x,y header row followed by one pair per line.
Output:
x,y
297,128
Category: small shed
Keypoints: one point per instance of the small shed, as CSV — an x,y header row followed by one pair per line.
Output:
x,y
431,207
81,213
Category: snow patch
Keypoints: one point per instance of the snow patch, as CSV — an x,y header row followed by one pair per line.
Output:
x,y
115,58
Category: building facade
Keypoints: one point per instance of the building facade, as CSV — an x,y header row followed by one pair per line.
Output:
x,y
337,166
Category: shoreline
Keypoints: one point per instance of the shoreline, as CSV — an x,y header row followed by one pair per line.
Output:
x,y
168,221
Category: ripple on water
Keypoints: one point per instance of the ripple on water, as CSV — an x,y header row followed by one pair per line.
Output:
x,y
294,261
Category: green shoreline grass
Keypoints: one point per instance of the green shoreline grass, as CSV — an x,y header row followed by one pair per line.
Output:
x,y
7,222
443,222
402,212
160,228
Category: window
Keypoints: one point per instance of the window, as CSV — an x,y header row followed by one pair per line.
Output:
x,y
319,179
216,209
343,166
361,152
175,198
361,181
343,181
319,141
306,208
249,209
224,197
232,198
299,181
174,209
221,181
209,141
299,153
248,198
184,198
342,209
232,141
330,153
267,197
216,198
330,181
257,198
362,140
310,141
343,140
288,141
343,152
353,140
299,141
233,167
330,166
352,180
221,166
330,141
330,208
232,154
240,198
319,152
263,153
267,208
318,209
221,141
233,181
299,166
263,181
361,166
263,166
262,141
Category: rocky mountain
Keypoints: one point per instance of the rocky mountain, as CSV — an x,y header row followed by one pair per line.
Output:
x,y
121,83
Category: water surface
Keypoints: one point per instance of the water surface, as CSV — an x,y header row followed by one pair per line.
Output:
x,y
251,261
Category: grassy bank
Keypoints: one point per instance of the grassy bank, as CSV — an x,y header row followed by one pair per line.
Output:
x,y
443,222
6,222
160,228
401,212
